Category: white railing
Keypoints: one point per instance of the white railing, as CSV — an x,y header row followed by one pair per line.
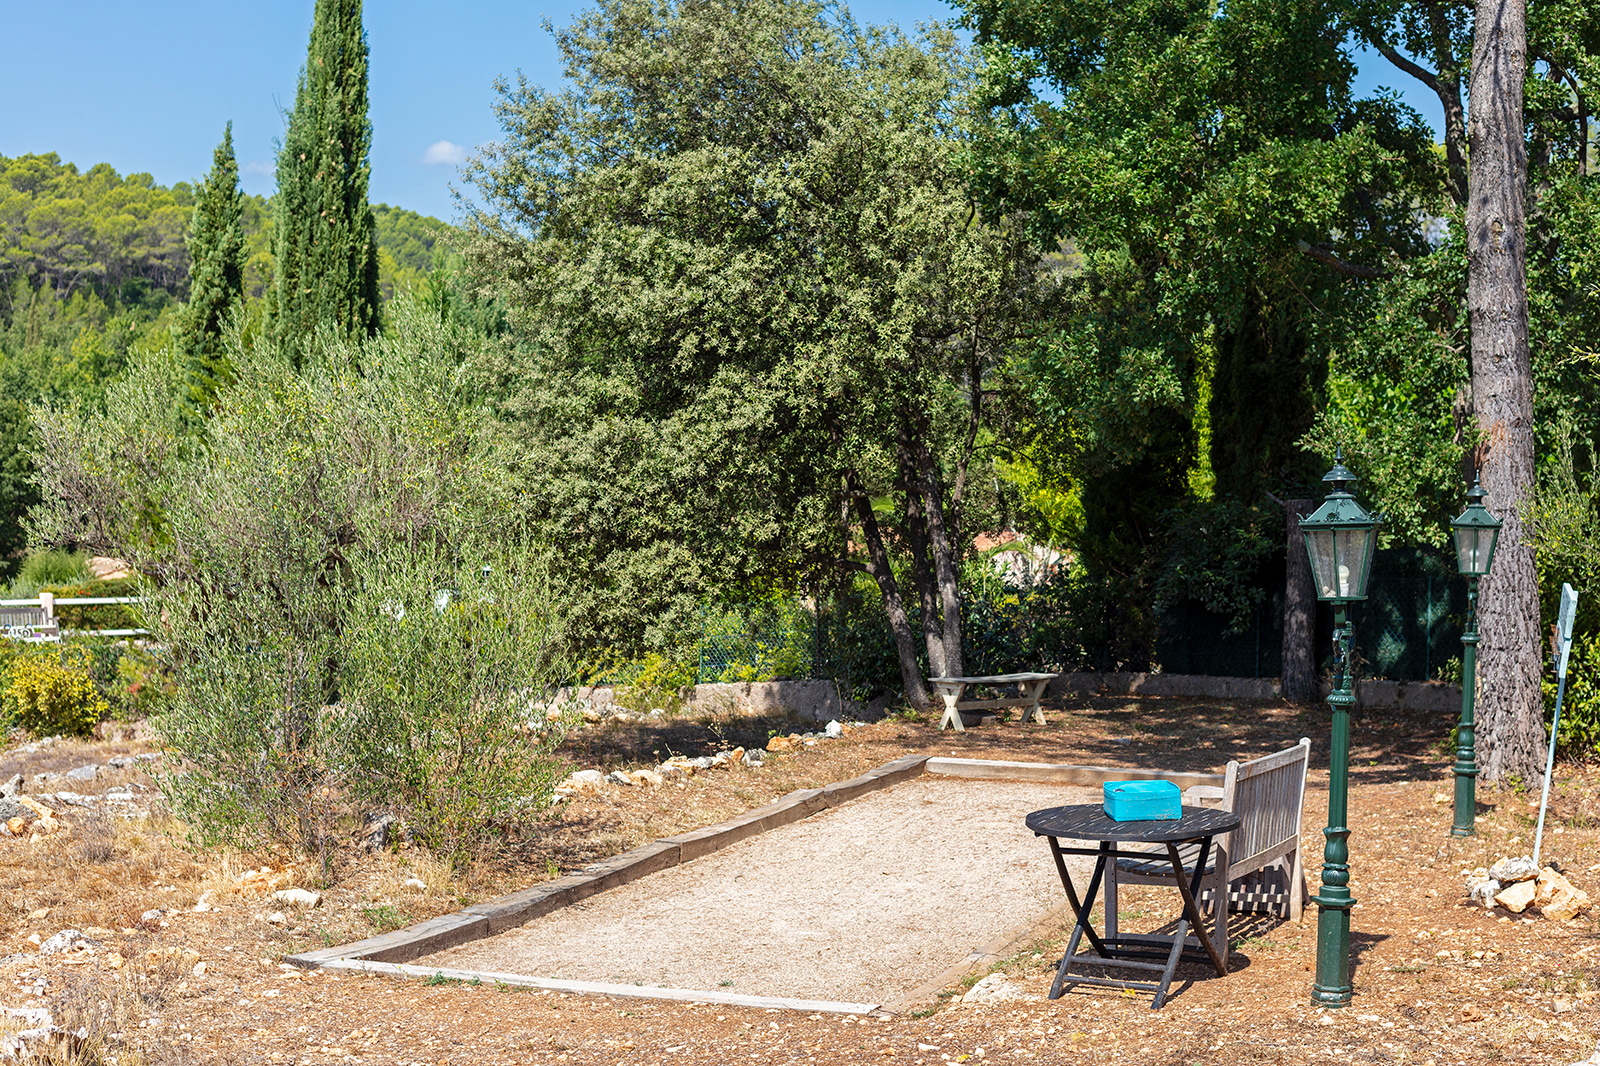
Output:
x,y
35,620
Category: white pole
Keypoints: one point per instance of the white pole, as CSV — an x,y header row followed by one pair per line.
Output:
x,y
1569,608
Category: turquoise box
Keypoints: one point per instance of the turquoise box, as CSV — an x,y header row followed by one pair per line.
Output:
x,y
1142,801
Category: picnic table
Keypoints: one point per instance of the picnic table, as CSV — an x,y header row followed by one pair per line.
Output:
x,y
1030,686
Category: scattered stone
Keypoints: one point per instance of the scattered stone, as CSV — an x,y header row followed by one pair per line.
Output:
x,y
73,799
754,757
11,788
618,777
584,781
1481,887
84,773
994,989
277,918
376,830
1507,871
122,762
834,730
203,904
1516,897
1558,899
67,940
777,744
199,969
298,897
152,915
1471,1013
416,883
1563,1005
647,778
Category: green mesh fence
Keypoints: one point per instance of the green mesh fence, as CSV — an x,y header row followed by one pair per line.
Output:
x,y
1407,629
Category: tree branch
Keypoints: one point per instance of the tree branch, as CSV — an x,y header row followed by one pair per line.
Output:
x,y
1323,254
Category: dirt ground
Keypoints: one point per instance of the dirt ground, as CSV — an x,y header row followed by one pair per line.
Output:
x,y
1436,980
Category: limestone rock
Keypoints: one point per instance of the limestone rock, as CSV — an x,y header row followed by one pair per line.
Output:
x,y
647,778
779,744
584,782
754,757
11,788
834,729
1507,871
83,773
1516,897
994,989
298,897
65,941
618,777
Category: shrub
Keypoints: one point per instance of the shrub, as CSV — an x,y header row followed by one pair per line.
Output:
x,y
49,690
1578,733
439,719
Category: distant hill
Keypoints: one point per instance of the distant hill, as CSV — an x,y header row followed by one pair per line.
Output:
x,y
92,266
122,238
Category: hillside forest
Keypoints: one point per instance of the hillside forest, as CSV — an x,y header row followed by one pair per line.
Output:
x,y
93,266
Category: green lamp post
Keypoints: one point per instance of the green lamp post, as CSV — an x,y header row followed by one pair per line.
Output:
x,y
1476,532
1340,537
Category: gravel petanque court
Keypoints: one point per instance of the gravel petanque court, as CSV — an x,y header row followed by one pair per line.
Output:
x,y
861,903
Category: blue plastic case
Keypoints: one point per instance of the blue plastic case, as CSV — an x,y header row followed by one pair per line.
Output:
x,y
1142,801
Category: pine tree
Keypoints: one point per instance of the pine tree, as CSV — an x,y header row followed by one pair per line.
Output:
x,y
324,236
216,277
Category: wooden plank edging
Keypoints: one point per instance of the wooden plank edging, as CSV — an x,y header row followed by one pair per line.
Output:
x,y
516,908
1060,773
682,995
388,952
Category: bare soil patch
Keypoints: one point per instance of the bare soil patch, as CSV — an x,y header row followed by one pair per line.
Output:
x,y
1437,981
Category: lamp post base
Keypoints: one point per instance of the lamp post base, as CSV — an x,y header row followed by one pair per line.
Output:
x,y
1332,987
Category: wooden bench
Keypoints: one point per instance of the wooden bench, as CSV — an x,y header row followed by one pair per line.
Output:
x,y
1029,686
1259,862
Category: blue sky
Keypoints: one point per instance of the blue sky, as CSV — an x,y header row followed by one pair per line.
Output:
x,y
148,87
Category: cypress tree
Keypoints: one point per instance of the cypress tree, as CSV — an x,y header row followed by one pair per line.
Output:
x,y
216,277
324,236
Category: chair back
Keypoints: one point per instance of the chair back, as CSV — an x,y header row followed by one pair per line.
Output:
x,y
1268,793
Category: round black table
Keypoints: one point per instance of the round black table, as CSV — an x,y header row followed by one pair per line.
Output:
x,y
1198,825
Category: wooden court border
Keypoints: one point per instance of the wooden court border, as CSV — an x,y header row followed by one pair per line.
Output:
x,y
389,953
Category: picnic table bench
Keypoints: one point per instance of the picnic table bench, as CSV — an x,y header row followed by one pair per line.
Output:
x,y
1030,687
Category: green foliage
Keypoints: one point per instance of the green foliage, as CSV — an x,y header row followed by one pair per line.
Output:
x,y
767,640
49,691
324,247
1578,732
216,283
94,231
766,298
1223,197
51,566
257,549
1565,527
450,748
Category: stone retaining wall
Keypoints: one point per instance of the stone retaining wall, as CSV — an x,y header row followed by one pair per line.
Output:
x,y
817,699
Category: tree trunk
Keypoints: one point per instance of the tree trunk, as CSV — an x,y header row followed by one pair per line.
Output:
x,y
944,560
905,646
922,574
1510,708
1299,610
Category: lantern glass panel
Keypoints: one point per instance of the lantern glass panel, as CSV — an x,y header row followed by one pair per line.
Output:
x,y
1324,563
1354,548
1475,549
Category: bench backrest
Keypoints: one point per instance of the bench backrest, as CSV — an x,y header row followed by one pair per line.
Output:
x,y
1269,793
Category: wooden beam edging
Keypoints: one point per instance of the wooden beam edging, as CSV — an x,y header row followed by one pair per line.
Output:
x,y
388,952
1061,773
597,988
516,908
